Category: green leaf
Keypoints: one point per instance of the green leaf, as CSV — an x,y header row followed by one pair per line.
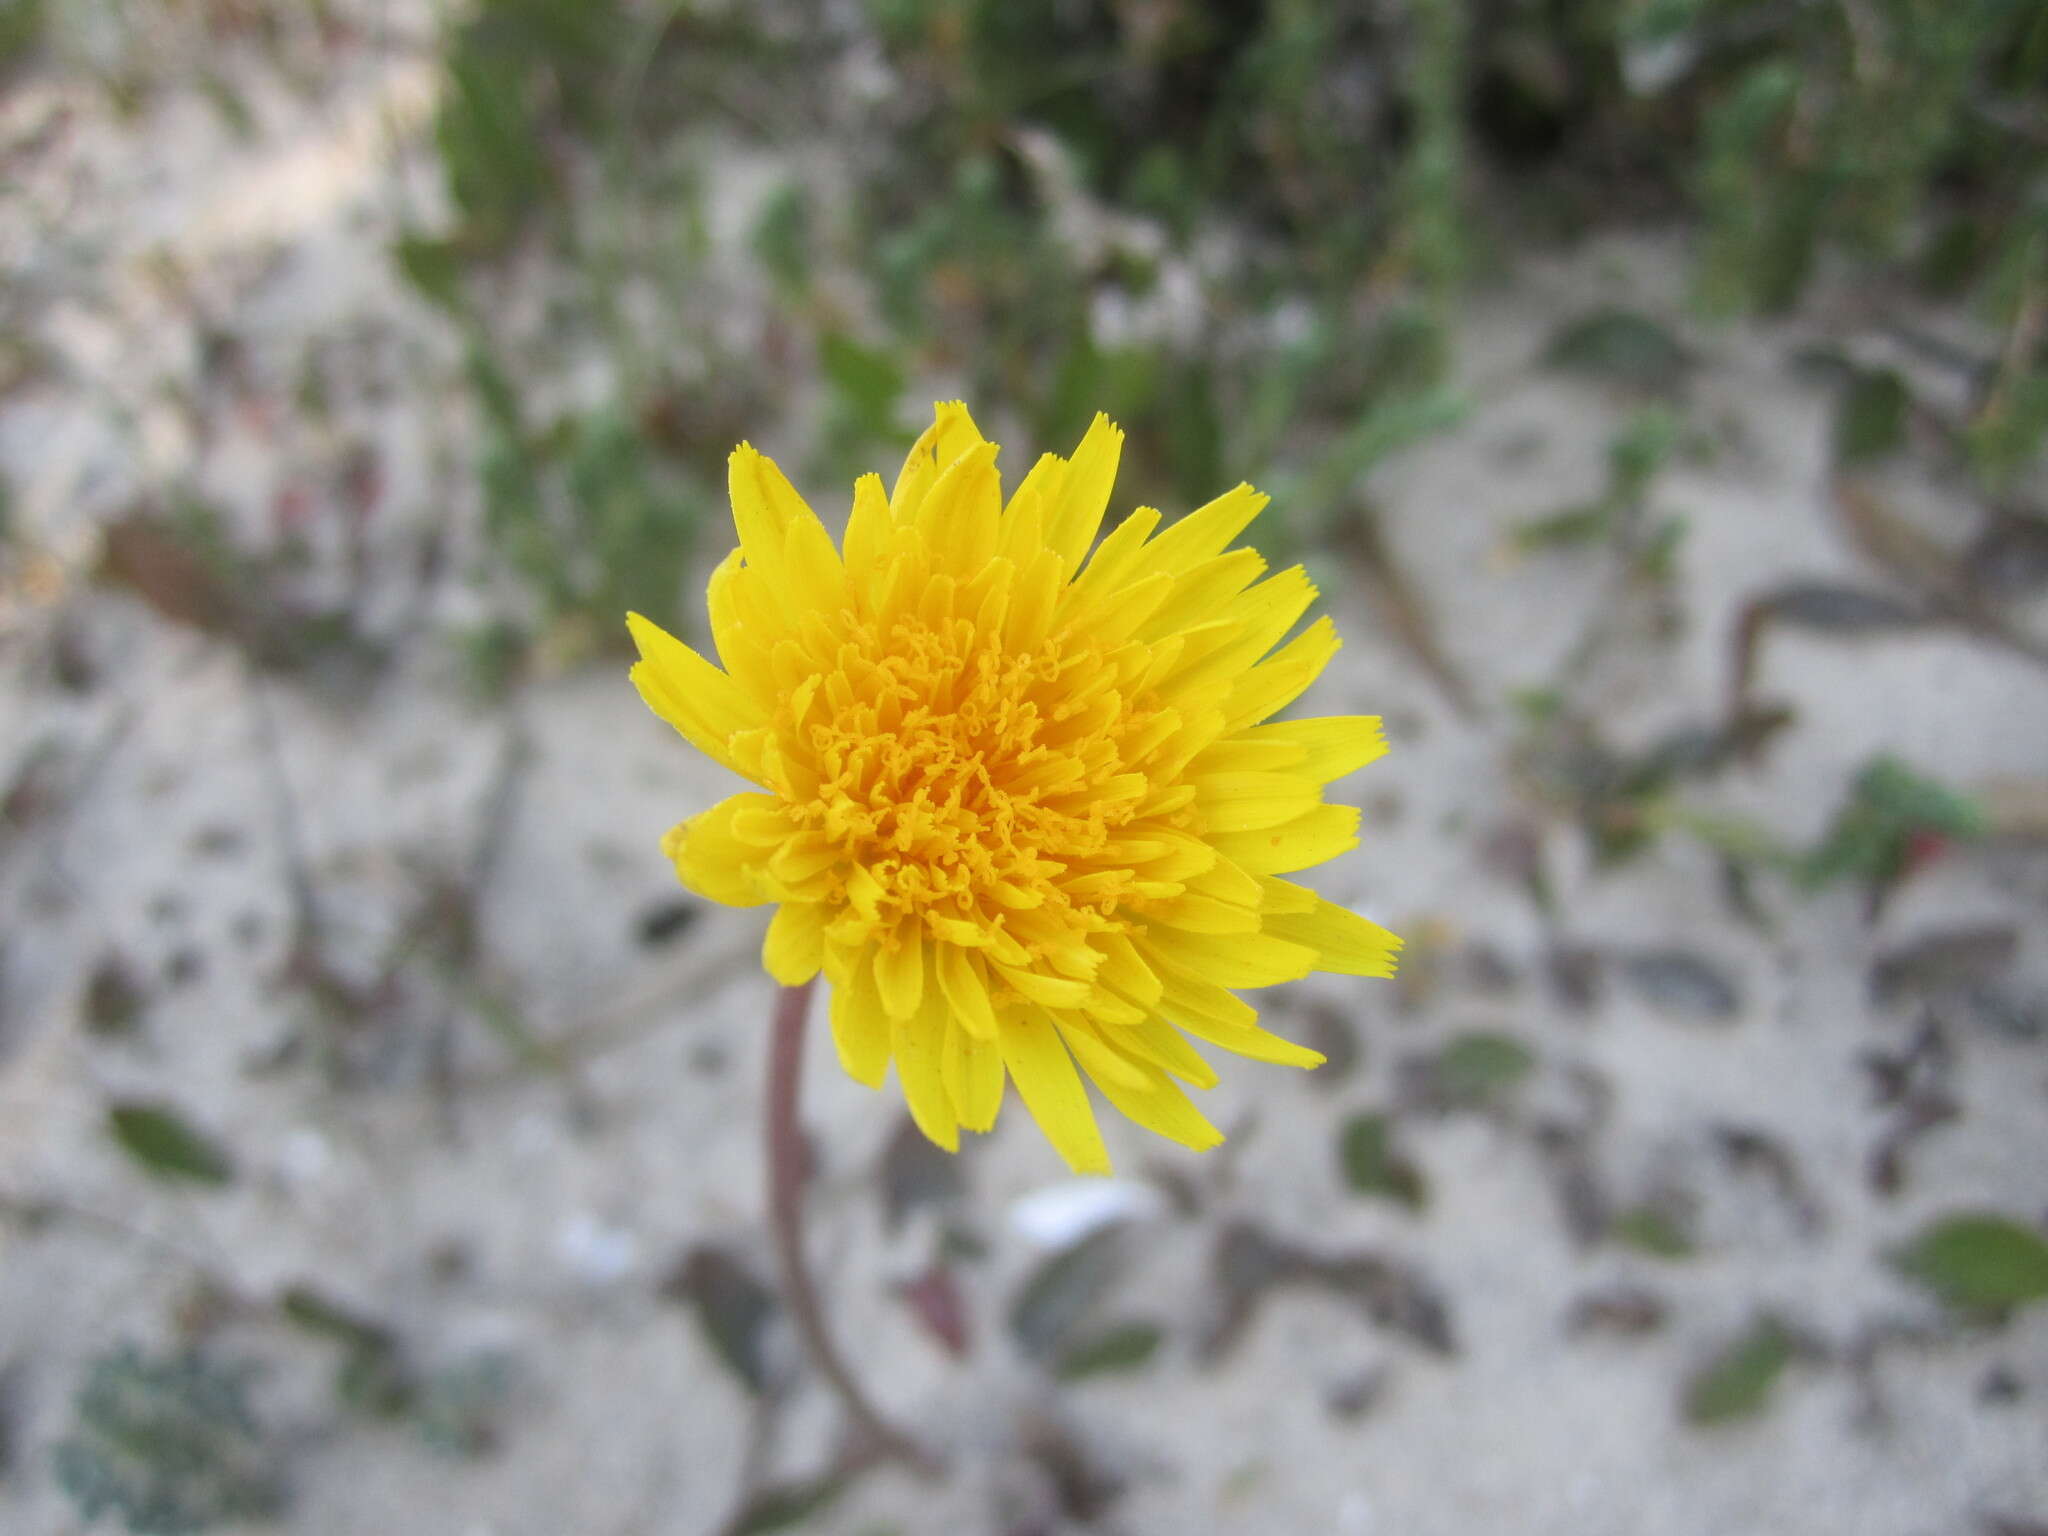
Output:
x,y
1649,1229
916,1173
1887,805
1372,1166
1871,420
1482,1066
866,380
1587,524
1121,1347
169,1444
113,1001
1058,1295
1620,346
1642,448
733,1310
1908,799
1737,1383
456,1409
2007,435
160,1140
1979,1261
782,239
432,267
781,1505
304,1307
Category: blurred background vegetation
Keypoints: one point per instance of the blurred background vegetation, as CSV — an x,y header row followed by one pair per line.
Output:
x,y
1242,229
1246,230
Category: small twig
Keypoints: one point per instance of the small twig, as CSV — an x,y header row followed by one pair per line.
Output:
x,y
454,910
306,946
1403,613
786,1156
32,1209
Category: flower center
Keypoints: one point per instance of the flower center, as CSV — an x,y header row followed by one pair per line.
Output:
x,y
963,783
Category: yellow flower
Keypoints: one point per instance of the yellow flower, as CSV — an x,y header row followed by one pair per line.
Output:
x,y
1017,801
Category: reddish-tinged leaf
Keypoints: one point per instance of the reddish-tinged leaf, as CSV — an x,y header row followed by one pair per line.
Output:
x,y
935,1301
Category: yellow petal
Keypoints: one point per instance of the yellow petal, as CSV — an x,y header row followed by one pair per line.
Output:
x,y
1251,802
1124,969
860,1030
1205,592
1210,1013
1163,1108
1281,679
1104,1006
1257,621
1195,913
1051,1090
974,1078
692,695
1247,754
1206,530
795,946
1121,558
1165,1047
715,861
956,433
868,525
1098,1058
915,478
918,1043
951,434
1248,960
1302,843
1022,534
1052,991
899,971
1343,941
1120,614
1033,595
958,514
1222,880
744,629
765,506
1071,523
804,855
966,989
1330,747
1277,895
815,576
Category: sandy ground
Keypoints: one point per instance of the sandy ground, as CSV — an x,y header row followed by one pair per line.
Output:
x,y
537,1213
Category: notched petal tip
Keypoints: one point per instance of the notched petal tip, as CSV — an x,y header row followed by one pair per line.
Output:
x,y
645,632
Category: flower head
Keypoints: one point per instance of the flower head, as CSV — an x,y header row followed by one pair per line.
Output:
x,y
1022,803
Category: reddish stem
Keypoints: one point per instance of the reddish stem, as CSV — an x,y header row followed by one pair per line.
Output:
x,y
787,1170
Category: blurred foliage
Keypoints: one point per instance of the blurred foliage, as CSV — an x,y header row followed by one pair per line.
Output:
x,y
583,511
1979,1262
1480,1067
1737,1382
1652,1230
169,1445
1373,1165
162,1141
1119,1347
1241,229
21,27
1892,817
1634,459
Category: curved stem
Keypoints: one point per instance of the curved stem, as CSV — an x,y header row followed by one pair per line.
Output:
x,y
787,1171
